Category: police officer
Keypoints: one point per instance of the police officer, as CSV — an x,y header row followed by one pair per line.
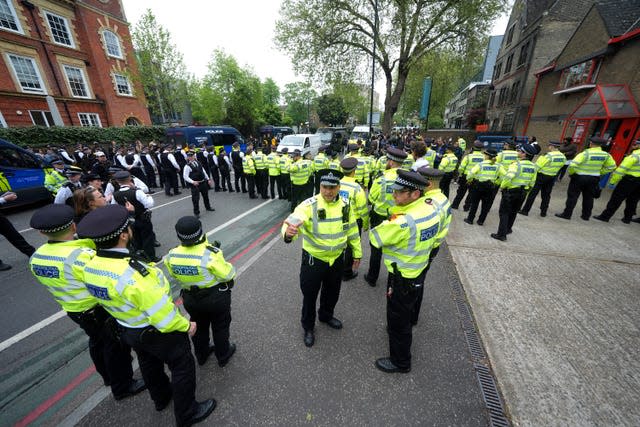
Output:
x,y
58,265
406,241
548,167
249,172
148,165
237,157
10,233
626,180
138,296
448,165
181,159
519,179
320,162
273,165
101,167
467,163
206,280
214,168
508,155
196,176
585,171
170,170
327,224
262,175
284,182
351,190
482,180
54,178
65,193
381,199
300,171
224,167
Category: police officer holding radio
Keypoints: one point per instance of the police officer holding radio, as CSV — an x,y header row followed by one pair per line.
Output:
x,y
196,176
138,296
206,280
327,224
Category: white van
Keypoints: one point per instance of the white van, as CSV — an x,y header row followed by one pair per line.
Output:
x,y
305,142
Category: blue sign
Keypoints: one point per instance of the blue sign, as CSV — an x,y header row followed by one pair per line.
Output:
x,y
426,98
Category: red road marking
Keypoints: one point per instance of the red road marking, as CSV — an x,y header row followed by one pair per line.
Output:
x,y
47,404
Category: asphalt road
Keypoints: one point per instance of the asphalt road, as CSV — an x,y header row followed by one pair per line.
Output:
x,y
46,378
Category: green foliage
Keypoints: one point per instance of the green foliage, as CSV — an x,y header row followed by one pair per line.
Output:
x,y
207,105
36,136
356,103
299,97
272,115
331,110
270,92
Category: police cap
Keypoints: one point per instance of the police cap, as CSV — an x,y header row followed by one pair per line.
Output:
x,y
103,224
57,160
52,218
191,153
491,152
348,164
431,174
597,140
99,154
90,177
122,175
73,170
297,152
353,147
510,143
115,169
330,177
396,155
528,149
555,143
409,180
478,145
284,150
189,229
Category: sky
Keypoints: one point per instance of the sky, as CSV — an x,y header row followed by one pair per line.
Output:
x,y
242,28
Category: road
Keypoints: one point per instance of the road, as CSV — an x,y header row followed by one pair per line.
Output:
x,y
46,376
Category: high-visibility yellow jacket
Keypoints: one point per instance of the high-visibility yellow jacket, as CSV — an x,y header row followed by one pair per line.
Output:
x,y
407,238
437,199
248,165
469,161
408,162
449,163
136,297
320,161
326,228
201,265
334,164
381,194
53,180
506,157
520,174
300,171
362,171
630,165
273,163
485,171
59,267
551,163
431,157
353,191
284,164
592,162
381,164
260,160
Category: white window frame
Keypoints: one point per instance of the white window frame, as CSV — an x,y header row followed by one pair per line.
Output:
x,y
3,122
43,88
66,68
72,43
115,79
52,124
117,41
12,10
92,119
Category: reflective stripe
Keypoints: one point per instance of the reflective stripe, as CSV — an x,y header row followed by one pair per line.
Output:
x,y
323,247
157,306
124,279
204,261
185,256
376,237
168,318
104,273
48,257
406,265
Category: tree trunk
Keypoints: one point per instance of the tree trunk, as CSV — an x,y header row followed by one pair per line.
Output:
x,y
392,97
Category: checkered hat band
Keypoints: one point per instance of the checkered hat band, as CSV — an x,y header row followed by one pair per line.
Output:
x,y
405,183
191,236
113,234
58,228
395,158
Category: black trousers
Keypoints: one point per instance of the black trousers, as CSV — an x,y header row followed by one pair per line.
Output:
x,y
11,234
262,182
317,276
628,189
273,179
251,184
144,237
509,206
111,357
375,258
239,178
298,194
544,186
151,177
445,182
400,308
210,308
215,176
196,191
225,180
484,192
462,190
154,350
585,185
284,185
420,290
170,181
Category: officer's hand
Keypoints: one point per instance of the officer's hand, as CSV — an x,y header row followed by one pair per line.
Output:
x,y
291,230
9,197
356,264
192,328
210,182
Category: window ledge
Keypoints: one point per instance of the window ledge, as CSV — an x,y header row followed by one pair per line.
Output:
x,y
575,89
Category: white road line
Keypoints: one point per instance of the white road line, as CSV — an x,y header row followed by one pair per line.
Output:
x,y
44,323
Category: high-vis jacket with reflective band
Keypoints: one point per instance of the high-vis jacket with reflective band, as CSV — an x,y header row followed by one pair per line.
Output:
x,y
407,238
59,267
381,164
469,161
260,160
448,163
630,165
370,163
437,200
551,163
284,163
362,170
273,163
485,171
300,171
326,228
520,174
320,161
334,164
248,165
134,299
506,157
200,265
53,180
381,194
431,156
592,162
350,189
408,162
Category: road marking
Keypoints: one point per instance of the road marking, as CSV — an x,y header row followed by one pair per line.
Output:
x,y
43,323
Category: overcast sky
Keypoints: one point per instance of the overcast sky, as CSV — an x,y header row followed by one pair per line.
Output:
x,y
242,28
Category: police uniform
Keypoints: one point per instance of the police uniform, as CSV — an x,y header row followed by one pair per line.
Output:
x,y
467,163
138,296
320,162
249,173
548,167
262,174
585,171
237,157
54,177
198,179
65,193
381,199
300,173
206,280
350,189
284,182
406,241
519,179
214,168
58,265
224,167
273,164
448,165
482,181
327,228
170,169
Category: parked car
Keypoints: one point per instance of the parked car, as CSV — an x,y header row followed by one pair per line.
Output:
x,y
21,172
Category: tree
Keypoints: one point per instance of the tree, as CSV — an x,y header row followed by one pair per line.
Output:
x,y
298,97
327,37
355,102
161,68
270,92
207,106
331,110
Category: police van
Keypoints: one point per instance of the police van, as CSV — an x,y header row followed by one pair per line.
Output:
x,y
221,137
21,172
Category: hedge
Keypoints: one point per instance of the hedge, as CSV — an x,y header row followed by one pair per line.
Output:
x,y
36,136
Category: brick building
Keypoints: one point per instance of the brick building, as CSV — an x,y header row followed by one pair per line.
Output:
x,y
592,86
536,33
68,63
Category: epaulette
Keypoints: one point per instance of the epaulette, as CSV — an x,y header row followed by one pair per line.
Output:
x,y
213,249
139,267
311,200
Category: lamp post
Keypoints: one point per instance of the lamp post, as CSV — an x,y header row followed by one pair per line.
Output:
x,y
373,66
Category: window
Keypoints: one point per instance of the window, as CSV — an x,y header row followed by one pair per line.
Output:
x,y
498,70
15,159
27,74
3,123
492,99
507,67
132,121
510,35
75,77
507,124
59,29
41,118
89,119
524,51
112,43
8,18
581,74
122,84
514,91
503,96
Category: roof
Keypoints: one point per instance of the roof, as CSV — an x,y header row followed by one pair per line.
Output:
x,y
619,16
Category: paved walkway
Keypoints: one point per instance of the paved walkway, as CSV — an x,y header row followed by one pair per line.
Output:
x,y
557,309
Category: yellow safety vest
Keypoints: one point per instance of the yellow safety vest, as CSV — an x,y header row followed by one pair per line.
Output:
x,y
551,163
320,162
506,157
485,171
200,265
248,165
448,163
350,189
260,161
273,163
520,174
592,162
300,171
469,161
381,194
439,202
53,180
630,165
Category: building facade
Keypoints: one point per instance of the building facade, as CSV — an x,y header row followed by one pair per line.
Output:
x,y
68,63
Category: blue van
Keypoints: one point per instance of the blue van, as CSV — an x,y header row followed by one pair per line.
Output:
x,y
21,172
277,131
218,136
